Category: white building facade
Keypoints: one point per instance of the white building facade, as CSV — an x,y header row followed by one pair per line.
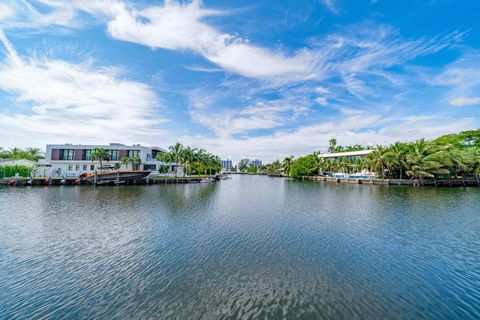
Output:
x,y
73,160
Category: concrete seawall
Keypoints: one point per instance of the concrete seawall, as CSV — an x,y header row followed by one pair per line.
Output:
x,y
398,182
76,181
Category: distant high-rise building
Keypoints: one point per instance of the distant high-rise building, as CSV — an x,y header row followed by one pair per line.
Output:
x,y
227,165
256,163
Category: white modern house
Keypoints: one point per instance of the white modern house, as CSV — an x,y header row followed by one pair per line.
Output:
x,y
350,155
73,160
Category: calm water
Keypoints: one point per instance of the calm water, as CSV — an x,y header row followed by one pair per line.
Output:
x,y
245,248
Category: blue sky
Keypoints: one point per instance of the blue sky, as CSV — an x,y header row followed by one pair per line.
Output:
x,y
257,79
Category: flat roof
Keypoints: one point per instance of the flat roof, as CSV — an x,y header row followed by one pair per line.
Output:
x,y
104,146
346,154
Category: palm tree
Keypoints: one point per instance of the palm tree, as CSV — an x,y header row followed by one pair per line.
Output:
x,y
165,157
125,161
3,153
286,164
188,155
425,161
135,161
332,145
16,153
380,160
397,155
34,153
99,154
176,152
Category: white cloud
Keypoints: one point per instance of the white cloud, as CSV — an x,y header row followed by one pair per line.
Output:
x,y
465,101
322,90
361,128
261,115
330,5
321,101
74,103
461,80
177,26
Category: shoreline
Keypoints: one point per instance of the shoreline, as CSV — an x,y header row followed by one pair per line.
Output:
x,y
396,182
73,181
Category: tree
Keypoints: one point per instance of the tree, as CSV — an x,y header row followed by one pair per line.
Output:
x,y
332,145
397,155
99,154
473,156
188,156
197,159
125,161
423,161
286,165
34,153
380,160
304,166
243,165
133,161
176,152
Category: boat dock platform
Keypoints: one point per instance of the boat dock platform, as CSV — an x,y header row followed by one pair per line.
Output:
x,y
398,182
72,181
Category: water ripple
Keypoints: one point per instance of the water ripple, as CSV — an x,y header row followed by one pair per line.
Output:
x,y
246,248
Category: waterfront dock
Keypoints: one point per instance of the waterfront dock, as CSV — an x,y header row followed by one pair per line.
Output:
x,y
72,181
398,182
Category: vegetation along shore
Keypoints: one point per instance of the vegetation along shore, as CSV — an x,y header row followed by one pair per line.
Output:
x,y
440,161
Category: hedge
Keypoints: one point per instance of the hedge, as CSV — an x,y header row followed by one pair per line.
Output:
x,y
9,171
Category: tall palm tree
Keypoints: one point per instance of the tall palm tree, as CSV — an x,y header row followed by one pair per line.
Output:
x,y
380,160
177,154
286,165
99,154
397,155
332,145
188,155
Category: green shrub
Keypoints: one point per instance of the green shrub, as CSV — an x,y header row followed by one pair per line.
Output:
x,y
10,171
304,166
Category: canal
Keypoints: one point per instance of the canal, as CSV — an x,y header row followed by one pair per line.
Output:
x,y
251,247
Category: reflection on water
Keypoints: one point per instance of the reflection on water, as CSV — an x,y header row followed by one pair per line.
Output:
x,y
249,247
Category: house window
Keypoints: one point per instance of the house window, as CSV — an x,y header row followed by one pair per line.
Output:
x,y
149,167
85,167
70,167
134,153
114,155
77,167
92,167
86,154
66,154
